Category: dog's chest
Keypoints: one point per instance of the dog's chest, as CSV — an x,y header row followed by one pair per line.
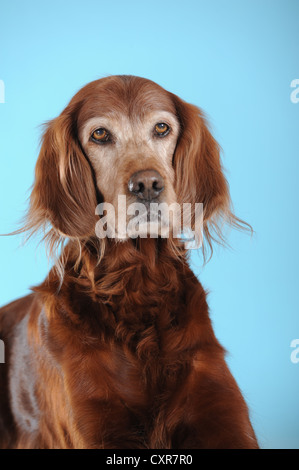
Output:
x,y
138,376
133,369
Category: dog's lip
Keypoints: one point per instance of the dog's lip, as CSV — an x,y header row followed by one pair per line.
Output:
x,y
150,212
148,202
158,217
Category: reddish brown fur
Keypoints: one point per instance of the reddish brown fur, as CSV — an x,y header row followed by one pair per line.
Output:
x,y
118,352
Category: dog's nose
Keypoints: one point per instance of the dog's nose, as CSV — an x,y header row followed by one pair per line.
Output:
x,y
146,184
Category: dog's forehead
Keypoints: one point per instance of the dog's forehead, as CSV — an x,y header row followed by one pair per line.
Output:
x,y
135,100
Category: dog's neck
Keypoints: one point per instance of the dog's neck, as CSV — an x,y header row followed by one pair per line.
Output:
x,y
131,271
131,261
134,296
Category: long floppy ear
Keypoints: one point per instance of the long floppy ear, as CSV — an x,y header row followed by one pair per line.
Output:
x,y
199,173
64,192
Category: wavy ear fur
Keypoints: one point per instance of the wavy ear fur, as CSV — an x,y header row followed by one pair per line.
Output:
x,y
63,193
199,173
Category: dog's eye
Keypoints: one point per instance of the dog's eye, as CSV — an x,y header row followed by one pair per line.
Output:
x,y
100,135
161,129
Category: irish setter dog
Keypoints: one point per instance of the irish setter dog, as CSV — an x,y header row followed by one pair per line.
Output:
x,y
115,349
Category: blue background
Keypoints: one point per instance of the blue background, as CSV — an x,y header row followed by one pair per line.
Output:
x,y
234,59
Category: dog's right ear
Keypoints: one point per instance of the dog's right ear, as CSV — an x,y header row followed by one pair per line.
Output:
x,y
64,192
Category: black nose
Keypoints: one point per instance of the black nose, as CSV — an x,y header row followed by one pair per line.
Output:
x,y
146,184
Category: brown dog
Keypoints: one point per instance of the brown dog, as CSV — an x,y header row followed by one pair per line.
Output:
x,y
116,349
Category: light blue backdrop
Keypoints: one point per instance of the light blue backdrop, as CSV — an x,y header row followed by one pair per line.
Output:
x,y
236,60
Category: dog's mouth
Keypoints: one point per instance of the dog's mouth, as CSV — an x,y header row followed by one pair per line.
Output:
x,y
149,219
138,219
146,212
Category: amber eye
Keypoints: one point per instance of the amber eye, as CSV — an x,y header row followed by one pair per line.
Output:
x,y
100,135
161,129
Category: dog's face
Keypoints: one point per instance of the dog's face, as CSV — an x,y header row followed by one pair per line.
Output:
x,y
126,136
130,145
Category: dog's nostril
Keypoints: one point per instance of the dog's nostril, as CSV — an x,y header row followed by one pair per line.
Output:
x,y
146,184
141,187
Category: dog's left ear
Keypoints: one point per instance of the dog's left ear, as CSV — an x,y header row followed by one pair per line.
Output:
x,y
198,170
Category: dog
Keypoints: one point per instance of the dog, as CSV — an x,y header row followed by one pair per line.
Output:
x,y
115,349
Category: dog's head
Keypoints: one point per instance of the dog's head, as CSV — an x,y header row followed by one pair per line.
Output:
x,y
126,136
